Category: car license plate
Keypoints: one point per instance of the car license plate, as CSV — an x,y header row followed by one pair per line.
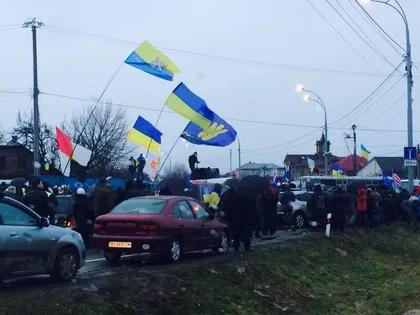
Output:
x,y
119,244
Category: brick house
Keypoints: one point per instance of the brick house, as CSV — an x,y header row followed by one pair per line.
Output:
x,y
15,160
297,164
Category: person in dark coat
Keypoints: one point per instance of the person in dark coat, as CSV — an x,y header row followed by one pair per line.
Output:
x,y
371,208
103,198
388,206
166,192
140,167
286,200
3,186
241,221
192,161
129,185
269,211
318,206
338,205
137,191
38,200
81,214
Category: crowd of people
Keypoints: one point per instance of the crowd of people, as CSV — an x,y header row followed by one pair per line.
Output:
x,y
248,216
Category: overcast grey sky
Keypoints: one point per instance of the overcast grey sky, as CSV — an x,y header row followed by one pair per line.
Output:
x,y
288,33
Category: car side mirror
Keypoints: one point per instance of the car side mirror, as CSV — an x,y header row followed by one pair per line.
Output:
x,y
45,222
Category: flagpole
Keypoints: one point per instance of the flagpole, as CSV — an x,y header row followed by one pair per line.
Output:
x,y
157,121
90,115
166,158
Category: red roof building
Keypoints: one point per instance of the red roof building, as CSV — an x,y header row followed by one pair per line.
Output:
x,y
347,163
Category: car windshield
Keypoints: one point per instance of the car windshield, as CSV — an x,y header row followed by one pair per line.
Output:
x,y
140,206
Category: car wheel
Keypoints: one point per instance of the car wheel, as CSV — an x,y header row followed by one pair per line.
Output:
x,y
112,258
175,250
66,265
224,244
299,219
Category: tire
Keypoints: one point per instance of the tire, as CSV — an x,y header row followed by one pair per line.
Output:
x,y
112,258
224,244
66,265
175,251
299,219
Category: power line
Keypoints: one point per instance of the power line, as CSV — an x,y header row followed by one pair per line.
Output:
x,y
373,26
214,57
226,118
370,95
380,27
332,26
377,51
13,92
10,25
375,102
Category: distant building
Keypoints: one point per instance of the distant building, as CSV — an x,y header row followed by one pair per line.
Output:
x,y
15,160
347,164
379,164
261,169
297,164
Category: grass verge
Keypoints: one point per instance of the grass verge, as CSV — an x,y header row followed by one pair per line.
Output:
x,y
357,272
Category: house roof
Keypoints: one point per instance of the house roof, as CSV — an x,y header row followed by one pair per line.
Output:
x,y
301,159
346,163
259,166
386,163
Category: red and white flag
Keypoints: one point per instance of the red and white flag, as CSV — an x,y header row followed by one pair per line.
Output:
x,y
396,179
69,151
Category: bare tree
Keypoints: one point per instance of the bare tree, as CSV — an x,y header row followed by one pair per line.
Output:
x,y
105,135
24,130
178,169
3,135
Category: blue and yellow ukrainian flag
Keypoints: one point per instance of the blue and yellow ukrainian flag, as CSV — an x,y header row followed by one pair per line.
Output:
x,y
148,59
365,152
145,134
190,106
47,163
337,171
311,164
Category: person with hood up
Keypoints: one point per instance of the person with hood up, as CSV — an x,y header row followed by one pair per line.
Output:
x,y
414,207
286,201
361,208
81,214
37,199
103,198
318,206
339,205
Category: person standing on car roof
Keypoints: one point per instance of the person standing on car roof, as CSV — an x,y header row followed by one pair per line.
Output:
x,y
38,200
286,200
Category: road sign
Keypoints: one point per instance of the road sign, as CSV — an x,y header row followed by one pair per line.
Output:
x,y
410,162
410,153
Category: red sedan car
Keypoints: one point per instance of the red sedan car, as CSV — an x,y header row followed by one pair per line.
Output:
x,y
167,225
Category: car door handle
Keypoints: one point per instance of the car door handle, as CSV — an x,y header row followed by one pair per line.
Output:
x,y
182,225
13,234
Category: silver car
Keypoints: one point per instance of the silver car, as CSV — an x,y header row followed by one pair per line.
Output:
x,y
29,245
301,215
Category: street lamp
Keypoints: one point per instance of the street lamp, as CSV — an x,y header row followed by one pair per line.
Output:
x,y
401,12
307,97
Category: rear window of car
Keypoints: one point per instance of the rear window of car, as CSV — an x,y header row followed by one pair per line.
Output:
x,y
140,206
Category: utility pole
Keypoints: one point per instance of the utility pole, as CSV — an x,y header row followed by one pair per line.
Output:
x,y
230,156
34,24
239,156
347,136
418,160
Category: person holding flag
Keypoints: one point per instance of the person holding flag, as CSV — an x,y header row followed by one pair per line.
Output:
x,y
141,163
